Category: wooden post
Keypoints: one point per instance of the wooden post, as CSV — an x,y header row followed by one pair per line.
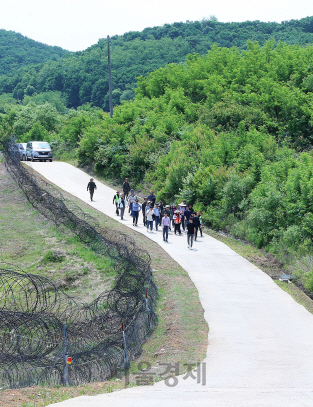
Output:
x,y
110,79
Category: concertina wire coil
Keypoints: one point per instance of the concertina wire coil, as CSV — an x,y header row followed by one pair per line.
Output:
x,y
34,312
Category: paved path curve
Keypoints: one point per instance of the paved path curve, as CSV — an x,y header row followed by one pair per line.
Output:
x,y
260,349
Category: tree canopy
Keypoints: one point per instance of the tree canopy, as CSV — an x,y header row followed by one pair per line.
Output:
x,y
17,51
83,78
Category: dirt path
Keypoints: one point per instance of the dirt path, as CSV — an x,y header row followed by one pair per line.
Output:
x,y
260,349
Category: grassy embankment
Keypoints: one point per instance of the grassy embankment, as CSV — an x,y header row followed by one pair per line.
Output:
x,y
33,243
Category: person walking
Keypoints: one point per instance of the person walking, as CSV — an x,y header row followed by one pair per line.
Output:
x,y
177,221
131,200
91,187
122,203
167,210
116,198
173,210
190,229
156,216
182,213
201,223
135,211
144,208
187,215
150,215
166,225
161,212
151,198
196,222
126,188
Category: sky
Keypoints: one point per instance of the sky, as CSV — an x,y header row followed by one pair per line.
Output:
x,y
77,24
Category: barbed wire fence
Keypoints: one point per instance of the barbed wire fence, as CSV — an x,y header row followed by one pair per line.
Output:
x,y
40,325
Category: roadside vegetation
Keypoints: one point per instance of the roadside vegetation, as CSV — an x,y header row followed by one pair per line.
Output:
x,y
230,132
82,77
31,242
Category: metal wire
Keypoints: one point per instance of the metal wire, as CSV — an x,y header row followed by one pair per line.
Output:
x,y
33,311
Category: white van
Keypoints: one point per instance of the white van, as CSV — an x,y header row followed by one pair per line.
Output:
x,y
38,150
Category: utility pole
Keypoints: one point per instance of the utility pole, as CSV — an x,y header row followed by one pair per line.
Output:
x,y
110,79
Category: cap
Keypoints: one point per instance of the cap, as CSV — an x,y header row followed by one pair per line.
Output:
x,y
151,191
91,179
167,206
182,204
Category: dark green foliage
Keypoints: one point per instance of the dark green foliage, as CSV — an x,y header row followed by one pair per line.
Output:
x,y
83,77
17,51
230,132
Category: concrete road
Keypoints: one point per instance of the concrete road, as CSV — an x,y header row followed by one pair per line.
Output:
x,y
260,350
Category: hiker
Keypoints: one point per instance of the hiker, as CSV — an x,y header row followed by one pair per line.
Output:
x,y
201,223
177,221
156,216
122,204
191,208
144,208
116,198
167,210
190,229
135,211
182,213
150,213
196,222
161,212
151,198
166,224
91,186
187,215
131,200
126,188
173,210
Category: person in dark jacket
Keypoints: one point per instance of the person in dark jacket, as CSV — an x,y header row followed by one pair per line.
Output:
x,y
143,207
190,229
196,222
161,207
167,210
126,188
187,215
91,187
151,198
116,198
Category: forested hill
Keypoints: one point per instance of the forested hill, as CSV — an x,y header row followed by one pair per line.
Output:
x,y
17,51
82,78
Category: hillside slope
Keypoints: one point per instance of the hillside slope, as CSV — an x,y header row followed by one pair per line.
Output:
x,y
17,51
83,77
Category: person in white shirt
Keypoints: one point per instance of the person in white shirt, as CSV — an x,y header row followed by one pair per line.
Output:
x,y
149,214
